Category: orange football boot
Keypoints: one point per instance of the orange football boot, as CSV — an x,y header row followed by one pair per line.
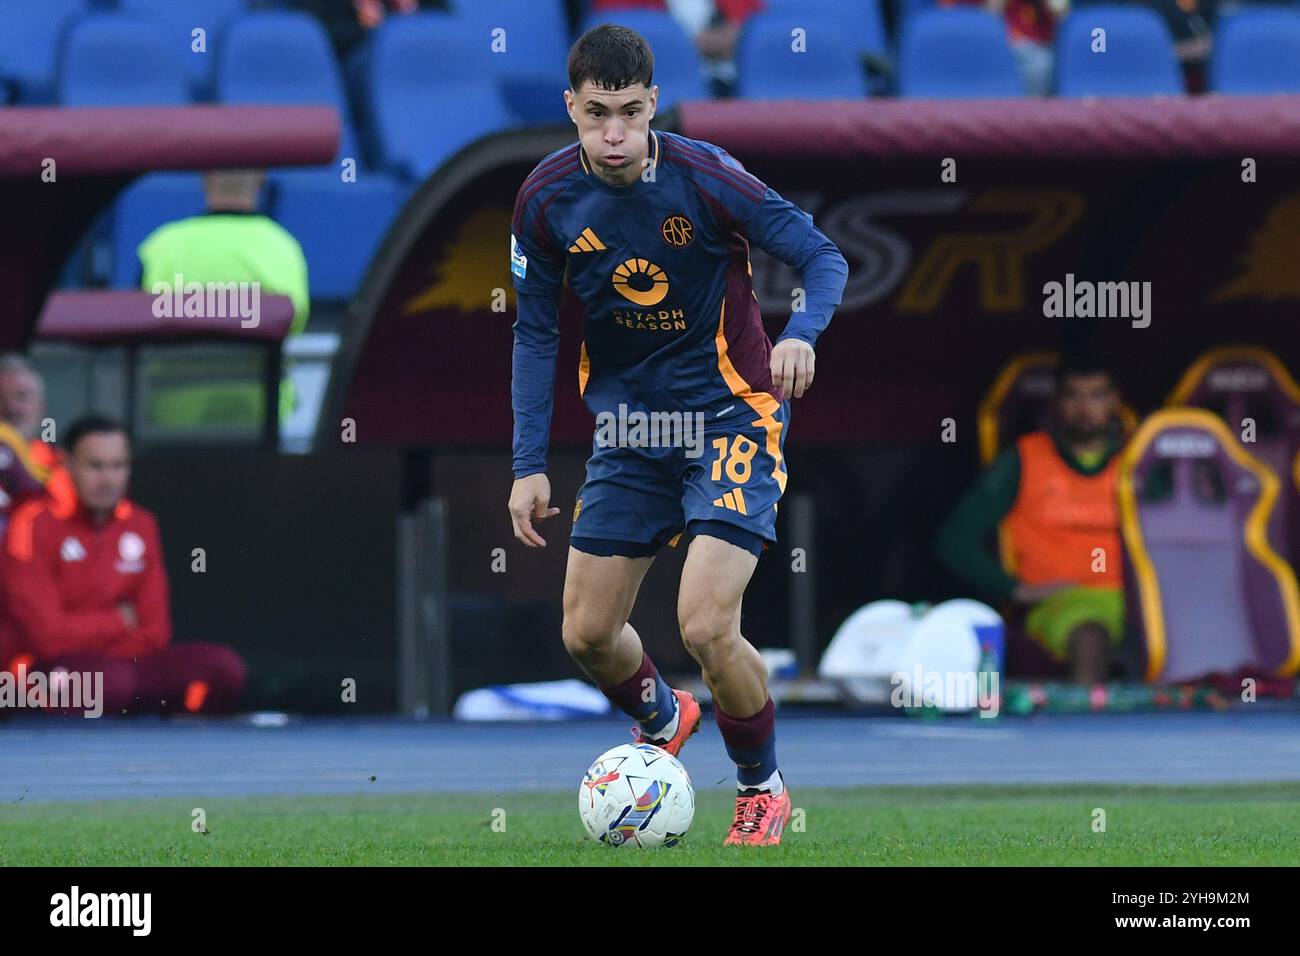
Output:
x,y
761,817
688,721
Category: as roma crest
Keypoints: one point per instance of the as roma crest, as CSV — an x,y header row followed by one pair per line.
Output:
x,y
677,231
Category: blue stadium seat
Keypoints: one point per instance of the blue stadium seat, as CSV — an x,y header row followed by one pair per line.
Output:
x,y
909,8
112,60
283,58
1257,51
956,53
142,207
424,100
340,225
530,70
178,19
770,69
30,37
677,64
860,22
1139,59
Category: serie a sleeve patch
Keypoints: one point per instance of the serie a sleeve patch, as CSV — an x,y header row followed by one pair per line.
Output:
x,y
518,261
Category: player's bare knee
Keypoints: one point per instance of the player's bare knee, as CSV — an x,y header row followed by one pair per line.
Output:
x,y
705,628
587,636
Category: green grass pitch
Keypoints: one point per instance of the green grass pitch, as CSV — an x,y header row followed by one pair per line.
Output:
x,y
1034,825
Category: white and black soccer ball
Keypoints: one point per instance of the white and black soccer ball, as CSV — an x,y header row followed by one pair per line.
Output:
x,y
636,795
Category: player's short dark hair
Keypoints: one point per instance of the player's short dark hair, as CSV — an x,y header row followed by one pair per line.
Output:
x,y
1080,364
91,425
611,57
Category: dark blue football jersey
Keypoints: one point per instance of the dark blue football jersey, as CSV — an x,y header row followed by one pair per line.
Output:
x,y
662,267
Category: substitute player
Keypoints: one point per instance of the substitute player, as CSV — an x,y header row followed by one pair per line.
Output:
x,y
1052,498
654,231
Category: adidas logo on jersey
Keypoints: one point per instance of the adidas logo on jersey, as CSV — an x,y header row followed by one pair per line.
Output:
x,y
733,501
587,242
72,550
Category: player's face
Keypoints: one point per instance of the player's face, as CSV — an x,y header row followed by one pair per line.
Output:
x,y
21,402
1086,404
614,127
100,467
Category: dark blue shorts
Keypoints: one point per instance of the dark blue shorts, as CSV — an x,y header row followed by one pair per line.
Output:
x,y
641,498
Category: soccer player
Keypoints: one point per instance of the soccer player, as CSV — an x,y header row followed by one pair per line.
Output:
x,y
654,231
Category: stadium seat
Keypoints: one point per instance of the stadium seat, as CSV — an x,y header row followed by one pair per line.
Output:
x,y
1206,594
906,9
286,58
1139,58
178,19
1019,402
1242,382
955,54
1257,51
422,67
678,72
30,37
769,67
142,207
530,71
283,58
340,225
859,22
119,61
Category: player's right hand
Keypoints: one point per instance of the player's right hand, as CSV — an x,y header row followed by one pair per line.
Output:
x,y
530,500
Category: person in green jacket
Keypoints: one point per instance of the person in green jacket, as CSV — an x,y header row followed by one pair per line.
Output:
x,y
231,242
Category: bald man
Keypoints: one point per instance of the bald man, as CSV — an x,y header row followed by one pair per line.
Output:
x,y
28,466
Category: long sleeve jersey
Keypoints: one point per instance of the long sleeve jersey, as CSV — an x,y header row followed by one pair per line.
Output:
x,y
662,266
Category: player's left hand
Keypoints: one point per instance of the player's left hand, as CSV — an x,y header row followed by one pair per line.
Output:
x,y
793,361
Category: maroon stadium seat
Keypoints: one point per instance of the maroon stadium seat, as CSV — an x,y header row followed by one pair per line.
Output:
x,y
1206,592
1241,382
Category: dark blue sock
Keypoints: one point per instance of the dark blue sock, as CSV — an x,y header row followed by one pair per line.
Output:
x,y
755,766
664,711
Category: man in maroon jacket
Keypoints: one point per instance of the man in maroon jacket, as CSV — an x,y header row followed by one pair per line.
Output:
x,y
86,591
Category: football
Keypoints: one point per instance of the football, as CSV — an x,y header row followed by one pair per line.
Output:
x,y
636,795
